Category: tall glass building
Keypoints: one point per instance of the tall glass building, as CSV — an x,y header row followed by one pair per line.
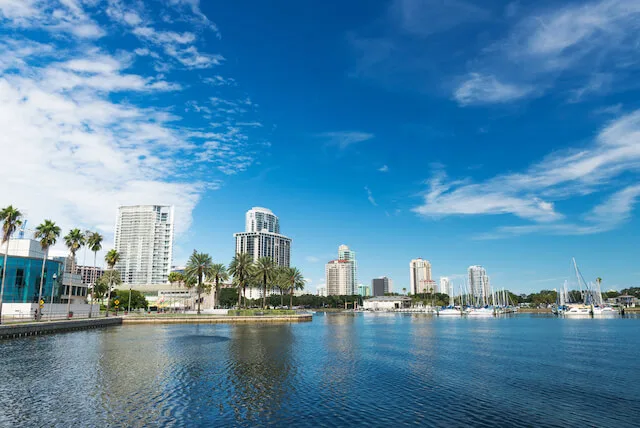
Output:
x,y
23,280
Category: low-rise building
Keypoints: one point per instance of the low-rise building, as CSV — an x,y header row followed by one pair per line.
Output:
x,y
384,303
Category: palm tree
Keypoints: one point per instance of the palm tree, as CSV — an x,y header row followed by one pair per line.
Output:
x,y
47,233
94,242
295,281
110,278
264,270
282,282
11,219
241,268
199,267
74,241
112,257
219,273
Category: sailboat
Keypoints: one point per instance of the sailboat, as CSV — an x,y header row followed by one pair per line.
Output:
x,y
452,309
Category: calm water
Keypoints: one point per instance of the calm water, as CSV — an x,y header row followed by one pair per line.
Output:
x,y
339,370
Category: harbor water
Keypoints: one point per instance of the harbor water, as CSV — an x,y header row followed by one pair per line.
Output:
x,y
338,370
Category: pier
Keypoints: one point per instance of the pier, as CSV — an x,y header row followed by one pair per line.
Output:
x,y
10,331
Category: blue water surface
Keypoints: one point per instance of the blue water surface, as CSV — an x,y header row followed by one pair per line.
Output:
x,y
339,370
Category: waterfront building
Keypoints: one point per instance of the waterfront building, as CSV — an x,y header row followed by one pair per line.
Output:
x,y
479,286
322,291
446,286
144,239
380,286
383,303
262,237
344,253
420,277
22,282
339,278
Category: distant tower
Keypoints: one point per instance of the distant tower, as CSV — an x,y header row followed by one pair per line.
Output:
x,y
344,253
420,277
479,285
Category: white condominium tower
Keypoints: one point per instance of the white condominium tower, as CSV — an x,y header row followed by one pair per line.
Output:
x,y
420,277
144,240
262,238
339,278
479,286
446,286
344,253
342,274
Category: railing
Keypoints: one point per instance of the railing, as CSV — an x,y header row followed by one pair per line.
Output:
x,y
53,316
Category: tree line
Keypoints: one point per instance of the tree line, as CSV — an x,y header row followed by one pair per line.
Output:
x,y
204,275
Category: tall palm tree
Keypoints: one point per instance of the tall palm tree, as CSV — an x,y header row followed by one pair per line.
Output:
x,y
264,270
219,273
110,278
74,240
295,281
112,257
241,267
199,267
47,233
94,242
11,219
282,282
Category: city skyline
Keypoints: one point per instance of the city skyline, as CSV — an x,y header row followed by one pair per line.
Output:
x,y
531,135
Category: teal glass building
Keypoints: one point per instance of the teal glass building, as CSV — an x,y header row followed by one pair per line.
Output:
x,y
23,280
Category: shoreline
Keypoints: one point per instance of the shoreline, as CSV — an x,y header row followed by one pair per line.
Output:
x,y
218,319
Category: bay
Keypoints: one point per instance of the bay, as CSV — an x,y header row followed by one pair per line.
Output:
x,y
339,370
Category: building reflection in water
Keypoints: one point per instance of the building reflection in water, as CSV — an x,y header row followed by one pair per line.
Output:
x,y
262,373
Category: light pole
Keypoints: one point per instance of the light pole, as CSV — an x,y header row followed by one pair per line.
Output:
x,y
53,283
129,308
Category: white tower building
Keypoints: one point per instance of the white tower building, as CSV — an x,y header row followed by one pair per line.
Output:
x,y
344,253
479,286
144,239
339,278
446,286
420,277
262,238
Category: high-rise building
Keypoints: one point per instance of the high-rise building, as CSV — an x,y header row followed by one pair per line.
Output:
x,y
420,277
446,286
322,291
380,286
144,240
339,278
344,253
262,237
479,286
364,290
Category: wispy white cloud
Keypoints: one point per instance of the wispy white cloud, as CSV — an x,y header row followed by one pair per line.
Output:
x,y
532,194
312,259
66,16
482,89
593,42
370,196
345,139
218,80
383,168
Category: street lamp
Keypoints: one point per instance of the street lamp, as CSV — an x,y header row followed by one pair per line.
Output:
x,y
53,283
129,309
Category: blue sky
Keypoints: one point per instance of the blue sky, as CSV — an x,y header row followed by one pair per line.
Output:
x,y
498,133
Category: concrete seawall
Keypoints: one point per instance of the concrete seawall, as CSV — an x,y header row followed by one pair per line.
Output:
x,y
203,319
48,327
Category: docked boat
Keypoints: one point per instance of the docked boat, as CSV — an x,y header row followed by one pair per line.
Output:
x,y
485,311
450,311
604,311
578,311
